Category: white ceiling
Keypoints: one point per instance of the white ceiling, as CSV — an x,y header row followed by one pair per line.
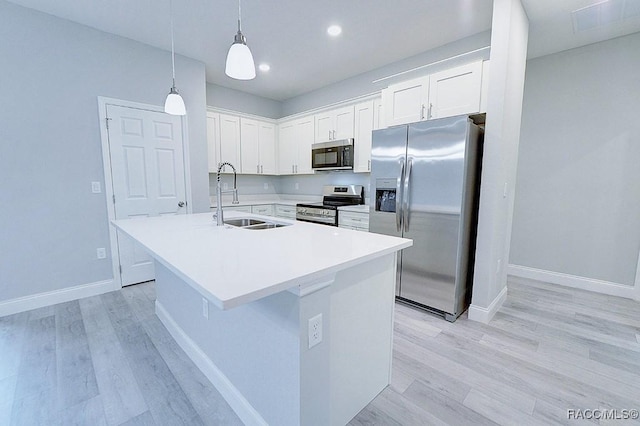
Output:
x,y
291,36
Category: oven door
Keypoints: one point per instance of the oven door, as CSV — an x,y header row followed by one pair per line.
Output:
x,y
317,215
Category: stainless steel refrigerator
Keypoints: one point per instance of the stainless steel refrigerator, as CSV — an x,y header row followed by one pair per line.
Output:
x,y
424,186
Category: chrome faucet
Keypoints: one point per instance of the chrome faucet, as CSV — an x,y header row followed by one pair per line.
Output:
x,y
219,192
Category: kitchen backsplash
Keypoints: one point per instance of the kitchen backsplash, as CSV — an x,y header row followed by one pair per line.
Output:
x,y
295,184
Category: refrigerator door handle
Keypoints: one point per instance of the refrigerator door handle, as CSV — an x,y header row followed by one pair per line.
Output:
x,y
405,195
399,197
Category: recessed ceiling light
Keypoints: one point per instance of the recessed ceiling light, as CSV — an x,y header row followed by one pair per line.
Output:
x,y
334,30
264,67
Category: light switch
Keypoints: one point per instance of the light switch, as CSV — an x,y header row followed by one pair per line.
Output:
x,y
95,187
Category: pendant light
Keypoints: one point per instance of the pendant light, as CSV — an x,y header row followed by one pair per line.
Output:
x,y
240,63
174,104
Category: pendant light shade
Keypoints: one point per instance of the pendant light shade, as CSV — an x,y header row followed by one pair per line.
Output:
x,y
174,104
240,63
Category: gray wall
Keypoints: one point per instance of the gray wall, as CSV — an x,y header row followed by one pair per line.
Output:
x,y
578,190
235,100
50,148
362,84
312,184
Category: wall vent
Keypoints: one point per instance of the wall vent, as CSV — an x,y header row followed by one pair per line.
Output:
x,y
604,13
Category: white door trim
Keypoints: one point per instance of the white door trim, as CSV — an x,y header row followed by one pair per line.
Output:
x,y
108,181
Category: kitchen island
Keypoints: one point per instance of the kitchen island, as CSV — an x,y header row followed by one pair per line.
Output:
x,y
293,325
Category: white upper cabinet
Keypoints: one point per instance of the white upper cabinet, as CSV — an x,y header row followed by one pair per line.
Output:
x,y
230,141
304,133
287,148
455,91
443,94
405,102
268,149
294,146
378,115
364,114
257,142
213,140
334,124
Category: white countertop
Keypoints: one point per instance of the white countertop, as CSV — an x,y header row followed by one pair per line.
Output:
x,y
233,266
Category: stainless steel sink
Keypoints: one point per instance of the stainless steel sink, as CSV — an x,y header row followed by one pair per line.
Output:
x,y
249,223
242,222
266,225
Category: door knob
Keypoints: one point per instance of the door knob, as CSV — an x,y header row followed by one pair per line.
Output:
x,y
180,203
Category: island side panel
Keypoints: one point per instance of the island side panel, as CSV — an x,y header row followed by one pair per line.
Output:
x,y
255,347
362,309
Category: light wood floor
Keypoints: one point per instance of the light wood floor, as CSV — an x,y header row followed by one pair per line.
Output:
x,y
107,360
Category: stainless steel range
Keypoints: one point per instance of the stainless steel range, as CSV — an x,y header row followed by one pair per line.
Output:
x,y
334,196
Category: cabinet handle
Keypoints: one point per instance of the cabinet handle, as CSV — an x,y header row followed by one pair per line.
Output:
x,y
261,169
334,135
293,169
369,165
257,169
329,134
422,112
296,168
430,109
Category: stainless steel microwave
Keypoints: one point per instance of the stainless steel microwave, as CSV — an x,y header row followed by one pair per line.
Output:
x,y
334,155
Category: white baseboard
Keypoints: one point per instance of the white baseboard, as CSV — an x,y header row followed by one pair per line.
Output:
x,y
574,281
484,315
229,392
49,298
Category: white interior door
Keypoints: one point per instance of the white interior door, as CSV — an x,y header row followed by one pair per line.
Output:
x,y
147,167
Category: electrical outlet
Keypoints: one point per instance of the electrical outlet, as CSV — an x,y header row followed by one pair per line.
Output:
x,y
95,187
315,330
297,185
205,308
266,185
101,253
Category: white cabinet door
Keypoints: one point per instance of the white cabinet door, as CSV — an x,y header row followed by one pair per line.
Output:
x,y
334,124
378,114
213,140
230,141
249,140
364,113
304,134
455,91
405,102
263,209
343,123
285,211
287,148
267,148
324,126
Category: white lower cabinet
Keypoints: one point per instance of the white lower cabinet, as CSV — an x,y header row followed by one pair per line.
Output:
x,y
285,211
243,209
263,209
353,220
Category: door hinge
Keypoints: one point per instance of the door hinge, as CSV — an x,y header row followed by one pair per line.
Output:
x,y
120,269
114,199
107,121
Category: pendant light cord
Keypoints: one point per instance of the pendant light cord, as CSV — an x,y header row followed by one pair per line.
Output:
x,y
173,54
239,15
